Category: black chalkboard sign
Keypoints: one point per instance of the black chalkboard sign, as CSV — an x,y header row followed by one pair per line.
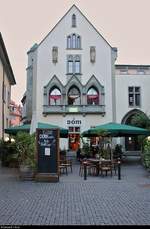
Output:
x,y
47,150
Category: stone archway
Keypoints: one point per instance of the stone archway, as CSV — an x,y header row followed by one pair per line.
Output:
x,y
131,143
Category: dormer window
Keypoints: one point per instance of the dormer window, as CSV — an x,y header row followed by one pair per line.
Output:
x,y
73,20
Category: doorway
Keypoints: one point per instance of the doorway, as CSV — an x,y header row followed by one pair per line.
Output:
x,y
74,138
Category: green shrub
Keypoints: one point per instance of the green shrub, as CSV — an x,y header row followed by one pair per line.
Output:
x,y
7,152
25,149
146,154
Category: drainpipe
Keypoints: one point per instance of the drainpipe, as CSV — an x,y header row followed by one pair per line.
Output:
x,y
3,106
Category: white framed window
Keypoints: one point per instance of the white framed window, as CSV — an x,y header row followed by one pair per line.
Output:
x,y
69,42
74,64
73,41
77,65
134,96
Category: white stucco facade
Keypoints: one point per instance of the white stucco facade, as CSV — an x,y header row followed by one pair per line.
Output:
x,y
43,74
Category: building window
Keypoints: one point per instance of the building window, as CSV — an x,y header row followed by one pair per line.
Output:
x,y
55,54
74,20
73,64
134,96
8,98
4,93
73,41
92,54
92,96
54,96
70,65
74,97
69,42
77,65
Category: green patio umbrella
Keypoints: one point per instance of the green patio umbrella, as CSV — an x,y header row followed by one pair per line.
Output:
x,y
14,129
26,128
115,130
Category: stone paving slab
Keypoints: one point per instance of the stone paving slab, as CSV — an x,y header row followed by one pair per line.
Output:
x,y
75,201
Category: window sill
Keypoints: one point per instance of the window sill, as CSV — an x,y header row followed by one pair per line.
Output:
x,y
73,74
73,48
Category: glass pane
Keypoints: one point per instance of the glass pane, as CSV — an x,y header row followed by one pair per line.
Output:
x,y
77,129
137,89
137,99
131,100
71,129
74,41
70,67
69,42
130,89
78,42
77,67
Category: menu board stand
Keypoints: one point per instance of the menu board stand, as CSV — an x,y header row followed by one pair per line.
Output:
x,y
47,142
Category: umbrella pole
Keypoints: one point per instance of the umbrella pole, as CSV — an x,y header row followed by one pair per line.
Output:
x,y
111,152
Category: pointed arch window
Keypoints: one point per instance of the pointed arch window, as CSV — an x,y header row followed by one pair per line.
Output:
x,y
93,96
78,43
73,41
74,96
74,20
54,96
69,42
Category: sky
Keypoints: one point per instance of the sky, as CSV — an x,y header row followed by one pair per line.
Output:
x,y
123,23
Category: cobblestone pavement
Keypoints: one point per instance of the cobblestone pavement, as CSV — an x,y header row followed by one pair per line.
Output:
x,y
75,201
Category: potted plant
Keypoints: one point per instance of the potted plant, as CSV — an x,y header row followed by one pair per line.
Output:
x,y
25,152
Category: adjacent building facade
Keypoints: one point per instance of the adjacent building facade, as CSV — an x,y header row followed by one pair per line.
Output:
x,y
73,82
15,114
6,81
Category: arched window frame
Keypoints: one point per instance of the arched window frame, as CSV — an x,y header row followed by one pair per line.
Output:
x,y
78,42
74,22
73,41
56,98
69,43
93,99
74,101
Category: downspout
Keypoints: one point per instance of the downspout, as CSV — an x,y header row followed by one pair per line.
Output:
x,y
3,106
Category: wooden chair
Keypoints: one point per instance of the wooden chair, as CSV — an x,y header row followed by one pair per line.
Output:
x,y
68,163
106,166
91,168
62,168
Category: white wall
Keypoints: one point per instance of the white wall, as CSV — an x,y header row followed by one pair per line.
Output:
x,y
89,37
122,84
